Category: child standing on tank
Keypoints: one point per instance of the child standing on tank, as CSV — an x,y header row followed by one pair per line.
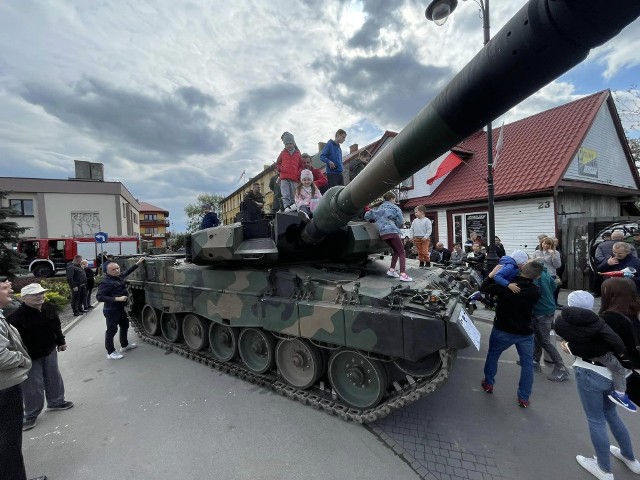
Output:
x,y
421,229
289,165
306,196
388,218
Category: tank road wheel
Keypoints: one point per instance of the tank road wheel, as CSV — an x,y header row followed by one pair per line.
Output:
x,y
171,326
256,349
359,381
299,362
223,341
195,331
425,367
150,321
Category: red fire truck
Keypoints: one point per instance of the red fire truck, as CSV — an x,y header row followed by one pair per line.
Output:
x,y
45,256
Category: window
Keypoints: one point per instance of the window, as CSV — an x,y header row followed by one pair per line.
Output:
x,y
124,210
135,218
407,184
150,216
21,208
150,230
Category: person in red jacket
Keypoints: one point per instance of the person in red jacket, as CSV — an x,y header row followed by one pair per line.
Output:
x,y
319,178
289,166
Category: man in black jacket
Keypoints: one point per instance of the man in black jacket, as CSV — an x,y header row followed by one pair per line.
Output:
x,y
77,280
512,326
113,292
41,332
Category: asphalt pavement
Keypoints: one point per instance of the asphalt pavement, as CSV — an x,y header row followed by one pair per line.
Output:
x,y
157,415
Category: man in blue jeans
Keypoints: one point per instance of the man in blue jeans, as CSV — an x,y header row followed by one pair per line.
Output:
x,y
512,326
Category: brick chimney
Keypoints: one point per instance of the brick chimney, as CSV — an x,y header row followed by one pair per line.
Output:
x,y
353,148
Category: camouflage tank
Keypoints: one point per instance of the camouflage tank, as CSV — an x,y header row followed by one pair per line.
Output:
x,y
307,309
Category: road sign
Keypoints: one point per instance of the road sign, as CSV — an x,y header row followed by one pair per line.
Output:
x,y
102,237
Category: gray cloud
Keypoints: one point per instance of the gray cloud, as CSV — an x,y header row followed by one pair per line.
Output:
x,y
170,124
392,89
266,100
196,98
379,14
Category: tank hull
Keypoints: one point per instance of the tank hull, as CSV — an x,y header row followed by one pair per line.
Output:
x,y
409,332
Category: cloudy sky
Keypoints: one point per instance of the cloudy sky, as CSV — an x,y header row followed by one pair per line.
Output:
x,y
178,97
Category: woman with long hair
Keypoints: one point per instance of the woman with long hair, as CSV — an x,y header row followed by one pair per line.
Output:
x,y
619,309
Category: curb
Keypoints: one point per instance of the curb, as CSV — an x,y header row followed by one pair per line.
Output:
x,y
75,321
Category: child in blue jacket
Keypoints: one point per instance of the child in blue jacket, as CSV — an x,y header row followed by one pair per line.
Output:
x,y
510,269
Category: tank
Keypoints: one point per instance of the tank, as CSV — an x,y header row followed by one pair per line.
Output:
x,y
306,309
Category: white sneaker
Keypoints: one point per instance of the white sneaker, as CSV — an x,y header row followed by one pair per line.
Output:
x,y
405,278
393,273
591,466
114,356
130,346
634,465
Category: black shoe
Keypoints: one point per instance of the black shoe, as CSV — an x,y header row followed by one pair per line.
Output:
x,y
77,314
63,406
88,308
28,423
43,477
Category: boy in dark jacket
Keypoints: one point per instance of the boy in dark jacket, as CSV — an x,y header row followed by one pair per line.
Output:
x,y
589,337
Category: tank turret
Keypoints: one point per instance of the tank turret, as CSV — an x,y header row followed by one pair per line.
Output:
x,y
303,309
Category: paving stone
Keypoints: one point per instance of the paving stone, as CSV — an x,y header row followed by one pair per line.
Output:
x,y
468,465
480,468
493,470
456,455
461,472
454,462
440,468
481,459
441,460
475,475
469,457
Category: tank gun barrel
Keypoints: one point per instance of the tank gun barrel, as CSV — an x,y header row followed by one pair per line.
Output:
x,y
542,41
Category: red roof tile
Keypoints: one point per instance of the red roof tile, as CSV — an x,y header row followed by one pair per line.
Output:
x,y
548,139
147,207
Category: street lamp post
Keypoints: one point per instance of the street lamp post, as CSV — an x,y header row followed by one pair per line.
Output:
x,y
438,11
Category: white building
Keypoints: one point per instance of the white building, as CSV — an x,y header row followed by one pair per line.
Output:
x,y
78,207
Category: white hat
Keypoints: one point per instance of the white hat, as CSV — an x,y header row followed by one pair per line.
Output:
x,y
520,256
306,174
32,289
581,299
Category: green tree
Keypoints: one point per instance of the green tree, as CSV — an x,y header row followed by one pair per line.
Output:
x,y
194,210
9,234
177,242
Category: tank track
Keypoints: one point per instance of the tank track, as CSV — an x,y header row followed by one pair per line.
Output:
x,y
315,397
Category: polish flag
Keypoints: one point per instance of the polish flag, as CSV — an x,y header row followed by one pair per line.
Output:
x,y
447,165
